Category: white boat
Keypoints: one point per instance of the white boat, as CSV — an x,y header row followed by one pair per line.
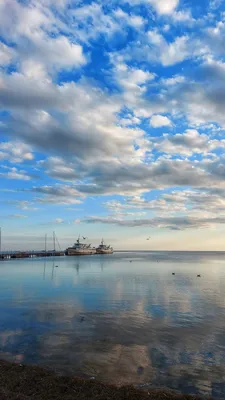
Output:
x,y
104,249
80,249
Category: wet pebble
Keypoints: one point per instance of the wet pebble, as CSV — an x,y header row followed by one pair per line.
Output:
x,y
140,370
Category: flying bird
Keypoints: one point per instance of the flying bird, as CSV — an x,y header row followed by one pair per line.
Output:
x,y
148,238
84,237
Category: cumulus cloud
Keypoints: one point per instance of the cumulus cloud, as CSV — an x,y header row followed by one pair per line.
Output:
x,y
183,16
16,174
34,41
56,167
88,125
188,143
172,223
6,54
164,6
201,203
130,78
57,194
135,178
202,98
135,21
15,152
168,53
159,120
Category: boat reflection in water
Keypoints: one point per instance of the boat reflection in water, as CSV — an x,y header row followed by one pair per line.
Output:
x,y
104,249
80,249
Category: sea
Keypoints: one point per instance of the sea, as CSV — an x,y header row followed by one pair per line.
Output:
x,y
141,318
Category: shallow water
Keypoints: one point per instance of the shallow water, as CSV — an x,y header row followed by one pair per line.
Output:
x,y
122,318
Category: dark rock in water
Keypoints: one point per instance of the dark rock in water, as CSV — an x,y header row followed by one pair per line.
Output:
x,y
81,319
173,273
140,370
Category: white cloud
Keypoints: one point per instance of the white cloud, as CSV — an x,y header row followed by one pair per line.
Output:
x,y
132,78
171,223
58,220
14,173
130,121
89,136
6,54
56,53
183,16
25,205
133,81
56,167
39,44
15,152
173,80
84,122
201,203
94,22
134,20
159,120
168,53
187,143
164,6
57,194
18,216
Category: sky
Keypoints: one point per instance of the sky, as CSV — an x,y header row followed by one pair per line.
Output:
x,y
112,123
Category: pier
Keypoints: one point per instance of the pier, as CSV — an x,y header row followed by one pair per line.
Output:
x,y
8,254
30,254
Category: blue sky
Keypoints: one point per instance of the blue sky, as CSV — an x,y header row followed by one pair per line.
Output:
x,y
112,122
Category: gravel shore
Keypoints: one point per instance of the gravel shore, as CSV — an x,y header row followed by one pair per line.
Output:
x,y
23,382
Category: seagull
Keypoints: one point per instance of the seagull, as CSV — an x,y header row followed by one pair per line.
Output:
x,y
148,238
84,237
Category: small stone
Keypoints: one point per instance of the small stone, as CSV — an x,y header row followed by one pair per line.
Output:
x,y
140,370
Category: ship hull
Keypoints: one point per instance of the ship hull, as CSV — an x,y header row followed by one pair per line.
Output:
x,y
104,251
80,252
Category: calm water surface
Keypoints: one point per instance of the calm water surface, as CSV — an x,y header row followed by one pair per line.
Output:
x,y
122,318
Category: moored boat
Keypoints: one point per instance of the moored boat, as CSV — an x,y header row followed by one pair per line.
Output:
x,y
80,249
104,249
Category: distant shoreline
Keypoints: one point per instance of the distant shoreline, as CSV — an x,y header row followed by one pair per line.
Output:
x,y
24,382
169,251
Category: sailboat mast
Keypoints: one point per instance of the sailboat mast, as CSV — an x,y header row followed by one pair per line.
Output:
x,y
54,241
46,243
